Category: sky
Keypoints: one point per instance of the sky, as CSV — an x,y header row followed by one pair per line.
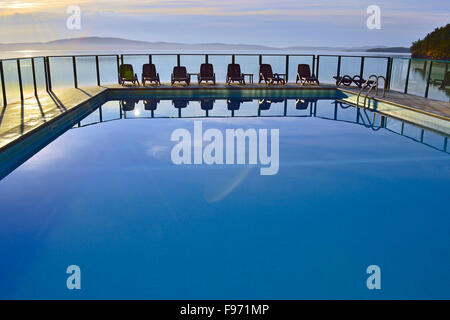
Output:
x,y
279,23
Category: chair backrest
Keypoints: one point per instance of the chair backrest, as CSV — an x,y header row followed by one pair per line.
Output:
x,y
266,70
179,72
149,70
304,70
234,70
126,71
264,104
206,70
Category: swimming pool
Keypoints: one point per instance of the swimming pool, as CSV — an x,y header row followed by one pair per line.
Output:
x,y
352,189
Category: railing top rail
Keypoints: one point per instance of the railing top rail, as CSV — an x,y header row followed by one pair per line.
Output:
x,y
22,58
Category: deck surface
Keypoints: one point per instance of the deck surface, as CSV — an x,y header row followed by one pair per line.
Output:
x,y
18,119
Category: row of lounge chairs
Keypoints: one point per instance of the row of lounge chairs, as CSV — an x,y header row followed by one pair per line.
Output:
x,y
207,104
206,75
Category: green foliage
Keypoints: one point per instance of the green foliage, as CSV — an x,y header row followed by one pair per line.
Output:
x,y
436,45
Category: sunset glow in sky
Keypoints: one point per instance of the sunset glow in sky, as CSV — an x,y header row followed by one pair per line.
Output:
x,y
268,22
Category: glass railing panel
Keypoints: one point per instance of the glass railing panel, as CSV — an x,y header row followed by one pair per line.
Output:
x,y
439,86
164,65
417,77
294,61
399,73
298,108
192,63
26,72
11,81
166,109
249,64
328,69
220,63
435,140
40,74
92,118
61,72
108,69
110,111
375,66
350,66
86,71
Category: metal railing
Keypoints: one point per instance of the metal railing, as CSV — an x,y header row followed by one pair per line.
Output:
x,y
25,77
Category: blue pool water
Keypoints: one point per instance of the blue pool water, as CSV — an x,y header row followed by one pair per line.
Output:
x,y
107,197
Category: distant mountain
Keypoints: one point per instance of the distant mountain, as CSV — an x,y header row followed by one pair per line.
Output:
x,y
390,49
114,44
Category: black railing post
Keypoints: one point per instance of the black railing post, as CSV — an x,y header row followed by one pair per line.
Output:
x,y
47,87
287,68
178,60
2,79
74,67
338,72
407,76
388,73
314,64
121,59
317,67
233,59
361,71
150,59
118,69
33,70
206,58
428,79
19,73
260,59
97,67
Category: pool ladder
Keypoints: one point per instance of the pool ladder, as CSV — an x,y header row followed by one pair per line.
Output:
x,y
370,86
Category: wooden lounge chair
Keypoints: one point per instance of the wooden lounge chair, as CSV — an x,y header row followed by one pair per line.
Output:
x,y
266,75
149,74
207,73
304,75
345,80
180,75
207,104
234,74
126,73
360,81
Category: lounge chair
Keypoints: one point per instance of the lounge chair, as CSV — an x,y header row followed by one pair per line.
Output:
x,y
149,74
126,73
266,75
304,75
360,81
345,80
180,75
207,73
234,74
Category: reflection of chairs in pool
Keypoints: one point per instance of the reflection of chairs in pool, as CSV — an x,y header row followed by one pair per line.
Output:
x,y
303,104
235,104
207,104
265,104
128,104
180,104
151,105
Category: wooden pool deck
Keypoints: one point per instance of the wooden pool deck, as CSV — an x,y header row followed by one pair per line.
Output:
x,y
18,120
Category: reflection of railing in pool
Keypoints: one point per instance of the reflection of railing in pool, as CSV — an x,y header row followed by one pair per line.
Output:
x,y
341,112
